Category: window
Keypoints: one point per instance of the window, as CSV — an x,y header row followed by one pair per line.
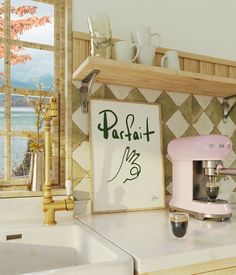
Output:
x,y
31,62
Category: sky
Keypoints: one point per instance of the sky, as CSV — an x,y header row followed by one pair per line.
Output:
x,y
41,67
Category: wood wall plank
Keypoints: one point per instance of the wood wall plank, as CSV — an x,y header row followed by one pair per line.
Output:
x,y
232,72
191,65
207,68
221,70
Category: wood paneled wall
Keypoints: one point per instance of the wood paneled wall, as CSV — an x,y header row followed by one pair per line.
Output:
x,y
188,61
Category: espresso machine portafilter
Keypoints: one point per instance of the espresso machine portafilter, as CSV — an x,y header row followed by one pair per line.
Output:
x,y
197,163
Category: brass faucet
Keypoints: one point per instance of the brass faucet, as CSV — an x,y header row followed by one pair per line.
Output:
x,y
49,205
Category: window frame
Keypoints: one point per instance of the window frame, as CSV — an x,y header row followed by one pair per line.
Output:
x,y
58,48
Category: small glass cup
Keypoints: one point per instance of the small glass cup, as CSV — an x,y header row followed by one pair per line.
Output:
x,y
179,223
212,190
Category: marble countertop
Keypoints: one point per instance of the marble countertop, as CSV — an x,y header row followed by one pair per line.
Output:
x,y
147,237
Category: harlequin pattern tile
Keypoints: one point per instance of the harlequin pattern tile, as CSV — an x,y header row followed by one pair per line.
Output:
x,y
135,95
169,188
82,155
226,128
182,115
232,113
196,110
84,185
177,124
203,101
78,173
233,139
227,185
204,125
167,136
168,107
186,109
120,92
230,160
190,132
81,120
214,111
150,95
95,87
178,98
77,136
76,99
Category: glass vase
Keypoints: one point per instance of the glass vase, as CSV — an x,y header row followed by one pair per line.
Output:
x,y
101,36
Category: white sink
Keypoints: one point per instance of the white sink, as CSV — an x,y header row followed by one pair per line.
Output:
x,y
60,249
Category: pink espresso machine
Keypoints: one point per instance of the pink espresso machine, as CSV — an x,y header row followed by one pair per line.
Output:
x,y
196,166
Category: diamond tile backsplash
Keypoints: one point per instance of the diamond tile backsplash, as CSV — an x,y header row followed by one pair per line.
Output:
x,y
182,115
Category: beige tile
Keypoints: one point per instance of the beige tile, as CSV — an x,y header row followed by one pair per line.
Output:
x,y
177,124
203,126
227,128
204,101
82,155
120,92
178,98
150,95
81,120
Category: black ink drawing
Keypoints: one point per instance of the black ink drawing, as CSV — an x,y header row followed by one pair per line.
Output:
x,y
129,169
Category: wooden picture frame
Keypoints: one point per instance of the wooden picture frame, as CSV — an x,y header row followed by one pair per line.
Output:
x,y
126,156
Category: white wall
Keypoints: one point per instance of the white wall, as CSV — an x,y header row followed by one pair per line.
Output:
x,y
200,26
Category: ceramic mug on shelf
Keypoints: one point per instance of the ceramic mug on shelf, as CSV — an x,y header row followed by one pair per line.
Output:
x,y
146,54
170,60
124,51
143,36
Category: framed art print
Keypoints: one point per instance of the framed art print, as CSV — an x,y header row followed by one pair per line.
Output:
x,y
127,160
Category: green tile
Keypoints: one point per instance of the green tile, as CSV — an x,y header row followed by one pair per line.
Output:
x,y
167,136
168,107
196,110
232,114
186,109
108,93
214,111
168,180
77,173
77,136
76,99
168,167
190,132
215,131
100,92
233,139
135,96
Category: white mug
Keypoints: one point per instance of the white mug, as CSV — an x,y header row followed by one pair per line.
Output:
x,y
170,60
124,51
147,54
143,36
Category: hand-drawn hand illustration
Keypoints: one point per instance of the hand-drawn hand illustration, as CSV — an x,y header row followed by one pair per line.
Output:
x,y
129,169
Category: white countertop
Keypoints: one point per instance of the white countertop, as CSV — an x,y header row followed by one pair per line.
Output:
x,y
146,236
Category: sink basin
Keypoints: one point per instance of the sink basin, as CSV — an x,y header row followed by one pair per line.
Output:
x,y
60,249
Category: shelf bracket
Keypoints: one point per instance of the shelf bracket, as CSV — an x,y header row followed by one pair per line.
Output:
x,y
226,107
85,89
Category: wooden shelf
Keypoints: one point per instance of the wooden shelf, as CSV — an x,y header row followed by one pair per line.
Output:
x,y
152,77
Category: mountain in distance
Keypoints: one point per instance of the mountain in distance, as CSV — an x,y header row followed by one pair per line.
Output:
x,y
18,101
